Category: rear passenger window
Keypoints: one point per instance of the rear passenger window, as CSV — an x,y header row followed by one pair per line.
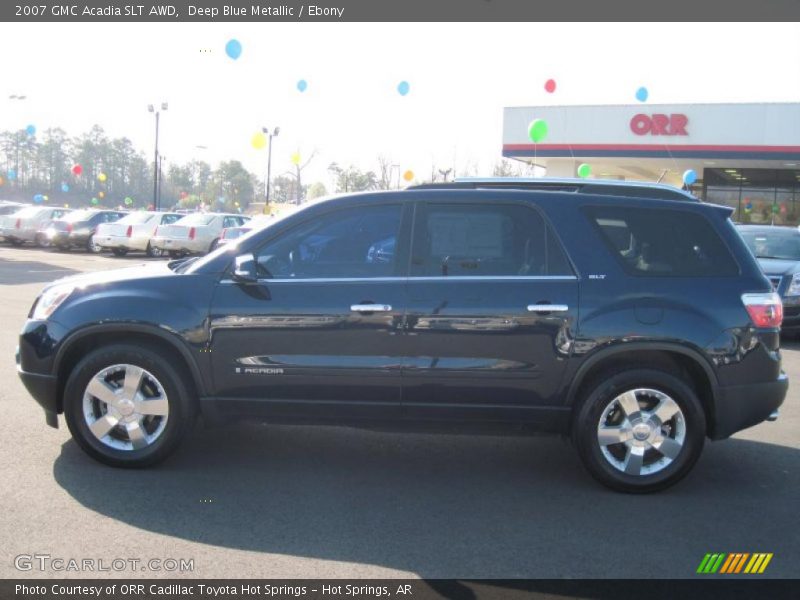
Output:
x,y
663,242
471,240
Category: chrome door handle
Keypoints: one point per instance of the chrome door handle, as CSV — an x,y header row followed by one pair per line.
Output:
x,y
371,308
548,308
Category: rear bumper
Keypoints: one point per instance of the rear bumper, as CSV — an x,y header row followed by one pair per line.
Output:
x,y
179,245
742,406
118,241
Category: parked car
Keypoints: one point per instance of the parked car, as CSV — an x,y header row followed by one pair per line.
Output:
x,y
197,233
447,309
777,250
21,226
77,229
230,234
133,232
8,207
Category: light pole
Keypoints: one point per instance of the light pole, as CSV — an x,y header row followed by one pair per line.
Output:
x,y
270,135
156,165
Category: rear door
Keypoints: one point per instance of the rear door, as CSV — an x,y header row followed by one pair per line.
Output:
x,y
493,302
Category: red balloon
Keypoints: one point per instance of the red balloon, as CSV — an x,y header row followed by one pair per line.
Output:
x,y
550,86
77,169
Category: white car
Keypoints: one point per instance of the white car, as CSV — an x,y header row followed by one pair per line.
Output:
x,y
197,233
22,226
133,232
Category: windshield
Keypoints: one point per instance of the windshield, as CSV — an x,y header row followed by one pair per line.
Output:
x,y
781,243
136,218
195,219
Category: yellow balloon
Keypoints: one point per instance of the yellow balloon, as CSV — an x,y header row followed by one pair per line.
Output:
x,y
66,205
1,181
101,194
101,177
258,141
236,204
408,175
296,158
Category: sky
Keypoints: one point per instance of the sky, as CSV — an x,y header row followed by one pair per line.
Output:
x,y
460,76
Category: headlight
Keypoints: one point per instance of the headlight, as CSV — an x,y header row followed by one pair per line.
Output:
x,y
794,287
50,300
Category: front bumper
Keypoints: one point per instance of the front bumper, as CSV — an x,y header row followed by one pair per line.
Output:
x,y
742,406
44,389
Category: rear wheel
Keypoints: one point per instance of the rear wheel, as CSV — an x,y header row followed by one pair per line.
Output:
x,y
152,251
15,242
91,246
175,254
640,430
127,406
119,251
213,245
63,247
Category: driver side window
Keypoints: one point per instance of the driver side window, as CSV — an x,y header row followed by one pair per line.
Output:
x,y
357,242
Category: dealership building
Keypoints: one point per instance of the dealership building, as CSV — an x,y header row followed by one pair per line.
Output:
x,y
746,156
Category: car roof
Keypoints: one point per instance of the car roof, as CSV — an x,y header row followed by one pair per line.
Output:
x,y
768,228
612,187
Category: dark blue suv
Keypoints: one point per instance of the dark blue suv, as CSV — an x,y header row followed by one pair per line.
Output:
x,y
638,326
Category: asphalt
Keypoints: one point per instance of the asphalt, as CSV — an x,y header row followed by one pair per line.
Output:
x,y
266,501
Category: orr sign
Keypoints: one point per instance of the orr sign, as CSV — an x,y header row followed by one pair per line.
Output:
x,y
659,124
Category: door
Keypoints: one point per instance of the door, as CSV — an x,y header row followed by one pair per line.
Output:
x,y
493,303
319,334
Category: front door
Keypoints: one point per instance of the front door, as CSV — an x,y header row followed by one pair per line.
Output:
x,y
318,335
493,302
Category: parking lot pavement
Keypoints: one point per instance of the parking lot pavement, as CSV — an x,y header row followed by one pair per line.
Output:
x,y
254,500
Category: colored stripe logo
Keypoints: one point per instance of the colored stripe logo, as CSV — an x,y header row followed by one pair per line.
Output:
x,y
733,563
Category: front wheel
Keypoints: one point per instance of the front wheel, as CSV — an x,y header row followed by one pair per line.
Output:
x,y
640,430
92,247
127,406
152,251
119,251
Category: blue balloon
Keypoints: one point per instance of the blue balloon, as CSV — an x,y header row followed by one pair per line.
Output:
x,y
641,94
403,88
302,85
64,188
233,49
30,130
38,198
689,176
12,174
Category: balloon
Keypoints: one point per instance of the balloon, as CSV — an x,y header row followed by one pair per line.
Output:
x,y
783,209
101,177
101,194
550,86
689,176
46,198
38,198
95,201
258,141
302,85
64,188
1,181
30,130
128,201
774,209
296,158
641,94
233,49
66,205
408,175
12,174
584,170
403,88
77,170
537,130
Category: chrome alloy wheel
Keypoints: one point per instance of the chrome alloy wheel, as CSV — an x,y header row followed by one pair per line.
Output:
x,y
125,407
641,431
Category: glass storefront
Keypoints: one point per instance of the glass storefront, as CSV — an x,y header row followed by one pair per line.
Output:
x,y
769,196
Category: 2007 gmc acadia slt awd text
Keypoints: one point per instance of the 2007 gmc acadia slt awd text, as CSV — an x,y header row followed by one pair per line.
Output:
x,y
638,326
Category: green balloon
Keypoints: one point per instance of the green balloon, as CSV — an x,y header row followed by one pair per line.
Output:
x,y
94,200
537,130
584,170
775,209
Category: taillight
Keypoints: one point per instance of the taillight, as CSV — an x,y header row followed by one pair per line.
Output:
x,y
192,233
157,230
765,310
224,234
130,231
19,224
69,227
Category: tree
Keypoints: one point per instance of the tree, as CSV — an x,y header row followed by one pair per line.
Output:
x,y
352,179
316,190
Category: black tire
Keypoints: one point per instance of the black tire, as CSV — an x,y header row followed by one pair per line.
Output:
x,y
213,246
91,247
152,251
119,251
63,247
175,254
16,243
182,407
603,392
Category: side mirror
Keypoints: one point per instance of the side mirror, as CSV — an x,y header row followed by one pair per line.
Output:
x,y
244,269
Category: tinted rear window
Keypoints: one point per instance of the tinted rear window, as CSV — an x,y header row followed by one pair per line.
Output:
x,y
663,242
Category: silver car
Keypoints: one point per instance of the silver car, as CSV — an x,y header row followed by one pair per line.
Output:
x,y
197,233
22,226
133,232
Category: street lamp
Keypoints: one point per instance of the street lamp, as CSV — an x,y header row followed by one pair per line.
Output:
x,y
270,134
156,165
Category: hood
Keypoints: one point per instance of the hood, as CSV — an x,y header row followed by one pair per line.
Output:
x,y
142,271
778,266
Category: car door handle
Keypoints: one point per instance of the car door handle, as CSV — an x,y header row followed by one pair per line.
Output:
x,y
547,308
371,308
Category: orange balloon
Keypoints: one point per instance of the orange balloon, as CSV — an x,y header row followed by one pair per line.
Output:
x,y
408,175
